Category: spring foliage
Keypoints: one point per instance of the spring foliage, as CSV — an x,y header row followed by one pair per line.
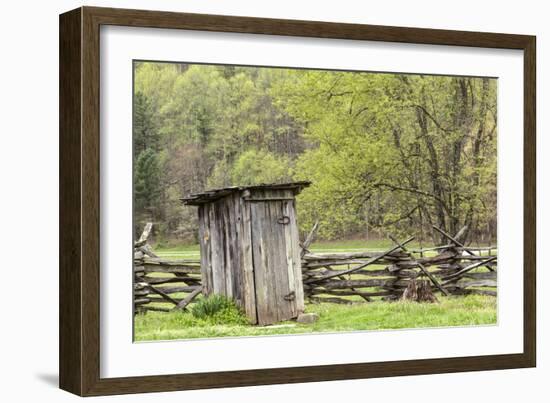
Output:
x,y
385,152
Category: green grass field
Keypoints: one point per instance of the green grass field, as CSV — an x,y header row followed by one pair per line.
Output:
x,y
192,251
450,311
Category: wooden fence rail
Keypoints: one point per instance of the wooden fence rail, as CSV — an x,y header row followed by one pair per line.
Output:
x,y
161,284
175,283
388,277
348,278
452,269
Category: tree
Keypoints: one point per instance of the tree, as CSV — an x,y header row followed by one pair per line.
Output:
x,y
255,167
147,184
396,152
147,175
144,129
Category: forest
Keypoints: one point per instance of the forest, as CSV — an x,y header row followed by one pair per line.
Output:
x,y
386,153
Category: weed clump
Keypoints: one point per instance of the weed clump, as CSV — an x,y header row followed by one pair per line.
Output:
x,y
218,310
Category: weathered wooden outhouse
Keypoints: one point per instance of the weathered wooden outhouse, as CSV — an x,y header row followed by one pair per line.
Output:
x,y
250,248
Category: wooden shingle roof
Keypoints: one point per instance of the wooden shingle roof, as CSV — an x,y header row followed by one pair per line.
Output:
x,y
208,196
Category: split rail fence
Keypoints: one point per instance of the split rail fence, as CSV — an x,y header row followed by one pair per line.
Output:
x,y
451,269
172,283
347,278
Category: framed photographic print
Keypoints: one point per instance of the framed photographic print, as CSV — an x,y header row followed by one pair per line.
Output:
x,y
249,201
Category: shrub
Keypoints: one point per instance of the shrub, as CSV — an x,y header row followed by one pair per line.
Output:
x,y
218,309
210,305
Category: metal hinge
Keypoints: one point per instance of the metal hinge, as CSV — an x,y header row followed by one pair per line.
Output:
x,y
290,296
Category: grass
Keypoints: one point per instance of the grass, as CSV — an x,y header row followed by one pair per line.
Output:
x,y
178,252
353,245
450,311
192,251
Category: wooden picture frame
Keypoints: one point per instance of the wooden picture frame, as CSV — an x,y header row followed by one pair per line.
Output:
x,y
79,346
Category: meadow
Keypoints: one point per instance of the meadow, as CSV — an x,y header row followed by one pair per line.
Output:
x,y
450,311
192,251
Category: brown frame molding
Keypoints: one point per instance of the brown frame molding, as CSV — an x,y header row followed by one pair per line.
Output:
x,y
79,200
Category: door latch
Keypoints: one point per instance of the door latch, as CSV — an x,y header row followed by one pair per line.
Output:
x,y
284,220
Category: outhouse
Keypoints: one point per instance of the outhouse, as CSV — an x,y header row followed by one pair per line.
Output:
x,y
250,248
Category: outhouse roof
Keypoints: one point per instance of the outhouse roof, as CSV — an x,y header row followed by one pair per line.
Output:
x,y
207,196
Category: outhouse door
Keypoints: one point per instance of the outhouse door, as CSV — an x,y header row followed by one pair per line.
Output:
x,y
276,259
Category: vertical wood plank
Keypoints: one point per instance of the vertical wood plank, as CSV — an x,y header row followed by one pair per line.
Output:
x,y
257,212
222,264
236,251
291,261
204,241
208,242
249,289
270,252
226,232
296,261
215,243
